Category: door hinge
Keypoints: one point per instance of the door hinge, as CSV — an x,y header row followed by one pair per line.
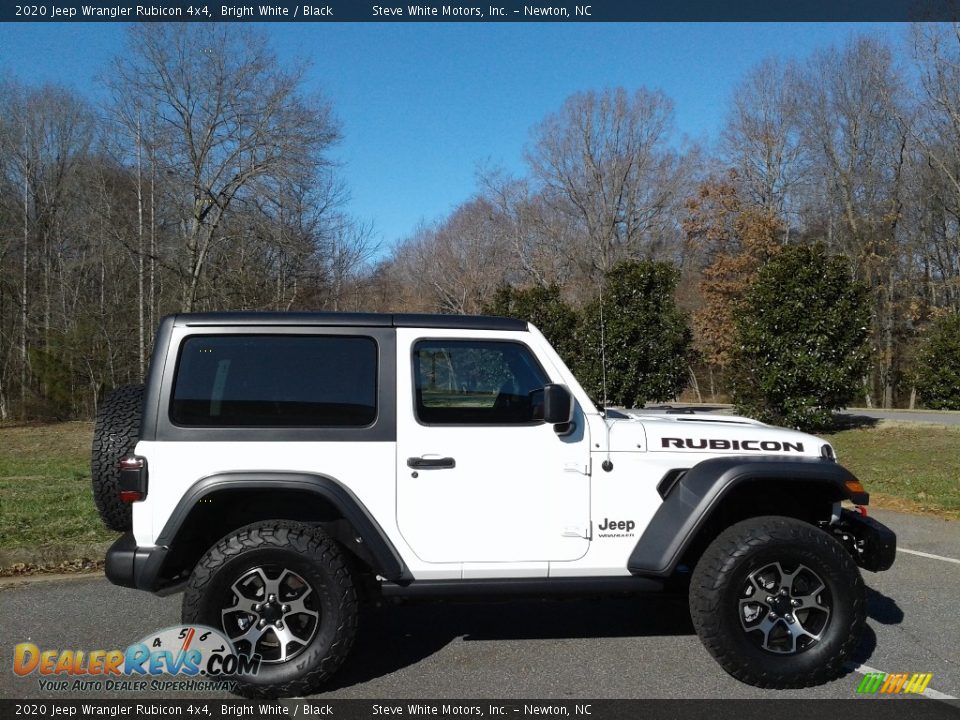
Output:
x,y
577,467
578,531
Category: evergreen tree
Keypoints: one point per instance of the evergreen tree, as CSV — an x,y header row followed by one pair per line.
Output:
x,y
545,308
938,365
801,349
646,338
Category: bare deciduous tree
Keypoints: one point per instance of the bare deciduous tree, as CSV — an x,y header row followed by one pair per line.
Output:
x,y
761,140
851,125
228,119
937,131
604,161
456,265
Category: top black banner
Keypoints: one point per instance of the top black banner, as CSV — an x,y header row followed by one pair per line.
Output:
x,y
489,11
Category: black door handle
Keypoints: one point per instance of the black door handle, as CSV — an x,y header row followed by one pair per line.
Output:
x,y
420,463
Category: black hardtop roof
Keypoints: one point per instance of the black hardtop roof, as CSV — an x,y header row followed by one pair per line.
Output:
x,y
339,319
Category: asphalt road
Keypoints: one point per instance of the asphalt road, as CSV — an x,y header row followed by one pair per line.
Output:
x,y
934,417
920,416
566,649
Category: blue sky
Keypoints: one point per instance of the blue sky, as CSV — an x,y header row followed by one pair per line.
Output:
x,y
422,105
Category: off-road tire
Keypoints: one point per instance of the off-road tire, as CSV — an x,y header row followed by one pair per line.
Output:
x,y
723,576
114,436
314,556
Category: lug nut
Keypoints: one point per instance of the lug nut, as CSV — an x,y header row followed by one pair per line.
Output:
x,y
285,608
262,624
258,607
795,603
783,591
772,616
279,624
789,618
271,597
769,599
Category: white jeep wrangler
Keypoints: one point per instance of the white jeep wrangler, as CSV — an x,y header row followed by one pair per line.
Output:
x,y
280,468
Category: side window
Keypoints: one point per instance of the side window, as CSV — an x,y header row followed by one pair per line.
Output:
x,y
275,381
473,382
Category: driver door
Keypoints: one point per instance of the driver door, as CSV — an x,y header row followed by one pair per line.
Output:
x,y
480,477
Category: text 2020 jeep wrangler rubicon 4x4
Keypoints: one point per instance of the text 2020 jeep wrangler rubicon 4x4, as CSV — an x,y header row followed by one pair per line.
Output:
x,y
277,467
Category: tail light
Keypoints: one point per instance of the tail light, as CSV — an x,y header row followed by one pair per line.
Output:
x,y
133,479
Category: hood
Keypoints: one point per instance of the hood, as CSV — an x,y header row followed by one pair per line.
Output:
x,y
711,435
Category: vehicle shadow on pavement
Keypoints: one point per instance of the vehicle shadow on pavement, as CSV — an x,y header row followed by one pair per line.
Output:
x,y
414,632
882,608
868,643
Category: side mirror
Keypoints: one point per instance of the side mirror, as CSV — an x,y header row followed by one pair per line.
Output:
x,y
557,404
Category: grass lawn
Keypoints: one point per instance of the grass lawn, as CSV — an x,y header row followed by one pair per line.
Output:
x,y
45,495
905,466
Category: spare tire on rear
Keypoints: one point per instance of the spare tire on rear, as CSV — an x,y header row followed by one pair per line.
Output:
x,y
114,437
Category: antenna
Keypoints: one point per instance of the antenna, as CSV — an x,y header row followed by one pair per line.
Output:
x,y
607,464
603,355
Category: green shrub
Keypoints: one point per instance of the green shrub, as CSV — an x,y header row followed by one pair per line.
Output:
x,y
647,338
545,308
937,375
801,349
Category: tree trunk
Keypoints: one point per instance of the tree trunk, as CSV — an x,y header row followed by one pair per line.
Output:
x,y
23,279
140,263
695,385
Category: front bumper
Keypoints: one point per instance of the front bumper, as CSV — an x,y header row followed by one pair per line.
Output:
x,y
872,544
130,565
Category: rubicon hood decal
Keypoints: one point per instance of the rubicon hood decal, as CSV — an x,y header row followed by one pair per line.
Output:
x,y
727,436
673,443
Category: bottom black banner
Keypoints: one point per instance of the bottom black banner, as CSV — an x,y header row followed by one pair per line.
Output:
x,y
854,709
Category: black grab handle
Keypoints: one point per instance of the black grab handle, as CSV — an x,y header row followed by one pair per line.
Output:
x,y
420,463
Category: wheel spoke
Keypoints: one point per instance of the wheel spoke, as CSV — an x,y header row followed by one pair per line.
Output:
x,y
765,626
797,631
272,586
810,602
273,599
806,617
786,579
288,634
252,636
297,607
284,637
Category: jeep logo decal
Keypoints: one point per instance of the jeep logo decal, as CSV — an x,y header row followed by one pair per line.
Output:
x,y
754,445
609,524
615,528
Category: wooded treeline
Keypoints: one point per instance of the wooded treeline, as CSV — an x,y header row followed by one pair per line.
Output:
x,y
853,146
204,182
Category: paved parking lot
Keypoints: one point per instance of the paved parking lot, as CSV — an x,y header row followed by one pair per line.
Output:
x,y
604,648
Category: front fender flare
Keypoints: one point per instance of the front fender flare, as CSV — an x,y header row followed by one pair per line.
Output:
x,y
698,493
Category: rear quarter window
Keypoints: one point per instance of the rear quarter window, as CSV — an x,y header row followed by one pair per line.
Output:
x,y
275,381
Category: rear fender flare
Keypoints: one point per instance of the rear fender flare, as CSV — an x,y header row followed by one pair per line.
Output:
x,y
387,560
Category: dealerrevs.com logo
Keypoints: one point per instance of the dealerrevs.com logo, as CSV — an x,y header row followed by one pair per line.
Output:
x,y
199,657
894,683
